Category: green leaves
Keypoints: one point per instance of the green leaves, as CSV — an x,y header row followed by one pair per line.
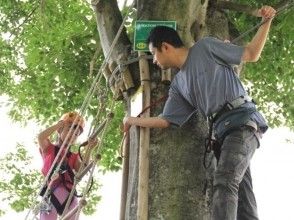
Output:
x,y
111,145
44,69
19,180
48,58
45,51
271,78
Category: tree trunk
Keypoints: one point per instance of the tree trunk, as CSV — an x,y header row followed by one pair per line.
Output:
x,y
179,186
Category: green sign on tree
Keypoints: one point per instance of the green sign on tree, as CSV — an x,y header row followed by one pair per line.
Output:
x,y
143,29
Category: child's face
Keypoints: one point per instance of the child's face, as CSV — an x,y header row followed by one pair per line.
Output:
x,y
72,133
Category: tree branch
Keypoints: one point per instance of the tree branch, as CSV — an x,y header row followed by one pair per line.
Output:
x,y
221,5
16,30
105,12
283,3
236,7
94,58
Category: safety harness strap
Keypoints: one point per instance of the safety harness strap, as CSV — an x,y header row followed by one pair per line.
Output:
x,y
236,103
58,206
215,122
65,171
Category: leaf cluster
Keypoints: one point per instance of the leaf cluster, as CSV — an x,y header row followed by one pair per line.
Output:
x,y
46,48
270,80
45,70
20,180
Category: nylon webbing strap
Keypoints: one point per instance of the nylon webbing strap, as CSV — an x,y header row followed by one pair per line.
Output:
x,y
231,105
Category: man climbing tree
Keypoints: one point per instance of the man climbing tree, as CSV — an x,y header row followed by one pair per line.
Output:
x,y
207,83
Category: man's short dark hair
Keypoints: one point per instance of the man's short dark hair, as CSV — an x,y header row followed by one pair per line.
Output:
x,y
161,34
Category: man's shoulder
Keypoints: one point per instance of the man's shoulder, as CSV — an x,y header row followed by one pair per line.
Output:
x,y
207,40
204,43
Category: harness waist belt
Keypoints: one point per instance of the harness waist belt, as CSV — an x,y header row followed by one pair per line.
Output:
x,y
236,103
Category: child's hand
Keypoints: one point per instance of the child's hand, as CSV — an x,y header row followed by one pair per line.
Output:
x,y
59,126
92,142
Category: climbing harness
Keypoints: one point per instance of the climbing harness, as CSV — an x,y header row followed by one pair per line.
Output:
x,y
81,112
65,178
211,144
231,116
83,170
44,203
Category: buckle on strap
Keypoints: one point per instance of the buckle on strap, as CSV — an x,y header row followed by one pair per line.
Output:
x,y
239,101
252,124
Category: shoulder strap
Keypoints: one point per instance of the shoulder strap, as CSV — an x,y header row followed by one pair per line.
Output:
x,y
67,174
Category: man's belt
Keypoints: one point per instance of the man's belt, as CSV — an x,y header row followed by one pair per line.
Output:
x,y
236,103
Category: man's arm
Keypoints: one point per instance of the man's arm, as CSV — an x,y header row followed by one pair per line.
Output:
x,y
152,122
253,50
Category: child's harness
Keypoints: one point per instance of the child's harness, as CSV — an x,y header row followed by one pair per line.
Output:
x,y
66,178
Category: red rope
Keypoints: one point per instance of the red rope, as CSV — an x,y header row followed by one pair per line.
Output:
x,y
153,104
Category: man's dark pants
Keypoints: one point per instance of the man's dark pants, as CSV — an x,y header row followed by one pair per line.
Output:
x,y
233,197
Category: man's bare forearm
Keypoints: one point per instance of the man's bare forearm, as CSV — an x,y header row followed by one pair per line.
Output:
x,y
257,43
253,50
152,122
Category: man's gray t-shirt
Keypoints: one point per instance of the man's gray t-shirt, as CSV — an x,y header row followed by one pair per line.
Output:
x,y
206,82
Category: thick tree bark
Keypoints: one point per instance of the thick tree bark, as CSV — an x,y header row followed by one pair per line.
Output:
x,y
190,15
179,186
109,20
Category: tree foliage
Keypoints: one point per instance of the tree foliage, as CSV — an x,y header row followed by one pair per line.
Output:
x,y
46,50
45,62
270,81
20,182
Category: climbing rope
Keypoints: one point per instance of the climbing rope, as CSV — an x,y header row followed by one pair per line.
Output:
x,y
92,169
82,111
130,61
85,167
94,86
279,10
